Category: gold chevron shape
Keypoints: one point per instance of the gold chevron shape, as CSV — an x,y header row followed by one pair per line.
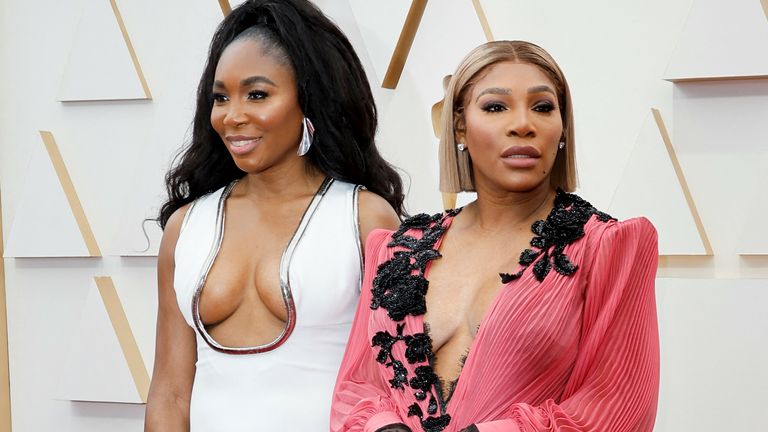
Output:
x,y
484,20
128,44
124,335
71,193
225,7
683,182
5,382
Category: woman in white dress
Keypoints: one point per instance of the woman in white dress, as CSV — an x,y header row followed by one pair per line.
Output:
x,y
259,268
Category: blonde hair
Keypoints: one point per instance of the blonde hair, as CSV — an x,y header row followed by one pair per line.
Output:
x,y
455,166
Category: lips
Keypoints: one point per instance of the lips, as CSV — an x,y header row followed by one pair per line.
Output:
x,y
521,156
241,144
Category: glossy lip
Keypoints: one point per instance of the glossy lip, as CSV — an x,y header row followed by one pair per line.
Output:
x,y
521,156
242,144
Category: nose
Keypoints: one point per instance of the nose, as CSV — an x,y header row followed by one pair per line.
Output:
x,y
234,115
520,123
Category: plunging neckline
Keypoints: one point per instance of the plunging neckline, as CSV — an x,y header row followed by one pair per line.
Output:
x,y
453,385
285,286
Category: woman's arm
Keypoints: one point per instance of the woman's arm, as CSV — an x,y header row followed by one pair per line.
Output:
x,y
615,383
175,349
374,213
361,400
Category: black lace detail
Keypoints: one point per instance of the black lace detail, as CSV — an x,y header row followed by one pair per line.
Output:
x,y
400,288
564,225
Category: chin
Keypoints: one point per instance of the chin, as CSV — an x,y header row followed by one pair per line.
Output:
x,y
522,185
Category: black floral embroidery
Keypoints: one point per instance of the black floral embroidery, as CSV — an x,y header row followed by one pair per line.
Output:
x,y
564,225
400,288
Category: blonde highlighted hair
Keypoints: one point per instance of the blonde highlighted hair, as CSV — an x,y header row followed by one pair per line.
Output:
x,y
456,166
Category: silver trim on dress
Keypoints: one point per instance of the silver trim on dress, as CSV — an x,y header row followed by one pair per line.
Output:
x,y
285,284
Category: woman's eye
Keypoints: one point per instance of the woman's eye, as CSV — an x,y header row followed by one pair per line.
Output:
x,y
219,98
544,107
494,107
256,95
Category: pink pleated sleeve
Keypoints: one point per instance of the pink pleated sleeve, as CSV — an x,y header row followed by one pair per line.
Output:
x,y
615,381
360,399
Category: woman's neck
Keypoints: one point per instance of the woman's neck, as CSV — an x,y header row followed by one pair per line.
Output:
x,y
497,210
293,179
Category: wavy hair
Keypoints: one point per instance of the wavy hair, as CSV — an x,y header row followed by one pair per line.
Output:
x,y
333,91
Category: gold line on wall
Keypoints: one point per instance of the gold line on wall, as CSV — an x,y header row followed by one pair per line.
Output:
x,y
681,179
721,78
124,335
5,378
71,193
128,43
404,43
225,7
484,20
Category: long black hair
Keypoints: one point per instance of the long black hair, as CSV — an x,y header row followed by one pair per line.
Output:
x,y
333,92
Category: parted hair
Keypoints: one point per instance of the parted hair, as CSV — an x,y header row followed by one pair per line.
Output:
x,y
455,166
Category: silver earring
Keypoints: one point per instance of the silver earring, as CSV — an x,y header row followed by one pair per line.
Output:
x,y
562,145
307,136
461,147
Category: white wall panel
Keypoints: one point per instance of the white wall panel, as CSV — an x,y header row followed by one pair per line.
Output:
x,y
722,40
650,187
94,368
100,65
713,374
44,225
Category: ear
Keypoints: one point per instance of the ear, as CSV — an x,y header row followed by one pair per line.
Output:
x,y
459,127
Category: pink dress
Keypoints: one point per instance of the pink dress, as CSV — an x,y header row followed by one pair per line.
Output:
x,y
570,343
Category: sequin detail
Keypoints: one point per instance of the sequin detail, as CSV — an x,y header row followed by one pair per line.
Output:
x,y
400,288
563,226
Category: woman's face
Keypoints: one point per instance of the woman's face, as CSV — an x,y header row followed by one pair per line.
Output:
x,y
256,111
512,127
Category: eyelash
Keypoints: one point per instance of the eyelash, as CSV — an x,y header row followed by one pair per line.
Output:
x,y
495,107
253,95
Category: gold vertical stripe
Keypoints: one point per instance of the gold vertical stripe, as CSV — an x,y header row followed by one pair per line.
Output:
x,y
682,181
69,191
484,20
225,7
124,335
764,3
404,43
5,377
449,200
128,43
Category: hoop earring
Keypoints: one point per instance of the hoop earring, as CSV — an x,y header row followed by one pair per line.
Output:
x,y
461,147
307,137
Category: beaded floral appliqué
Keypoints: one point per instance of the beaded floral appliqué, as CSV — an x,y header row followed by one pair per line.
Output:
x,y
400,287
564,225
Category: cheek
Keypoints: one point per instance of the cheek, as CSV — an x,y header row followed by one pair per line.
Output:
x,y
217,119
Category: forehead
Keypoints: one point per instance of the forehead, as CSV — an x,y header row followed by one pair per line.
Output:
x,y
512,75
246,57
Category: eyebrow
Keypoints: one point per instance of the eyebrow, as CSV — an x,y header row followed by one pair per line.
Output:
x,y
248,82
507,91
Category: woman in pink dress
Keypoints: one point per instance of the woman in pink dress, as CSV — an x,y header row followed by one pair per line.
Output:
x,y
559,337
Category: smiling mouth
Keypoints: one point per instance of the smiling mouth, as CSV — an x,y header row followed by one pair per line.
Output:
x,y
243,143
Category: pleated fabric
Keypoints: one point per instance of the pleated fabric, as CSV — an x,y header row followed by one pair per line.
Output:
x,y
569,353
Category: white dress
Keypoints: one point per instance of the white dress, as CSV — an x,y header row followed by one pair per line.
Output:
x,y
287,384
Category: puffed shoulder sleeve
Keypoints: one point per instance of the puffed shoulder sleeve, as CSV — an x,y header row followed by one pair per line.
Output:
x,y
615,382
360,399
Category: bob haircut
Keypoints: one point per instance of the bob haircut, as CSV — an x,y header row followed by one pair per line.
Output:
x,y
455,166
